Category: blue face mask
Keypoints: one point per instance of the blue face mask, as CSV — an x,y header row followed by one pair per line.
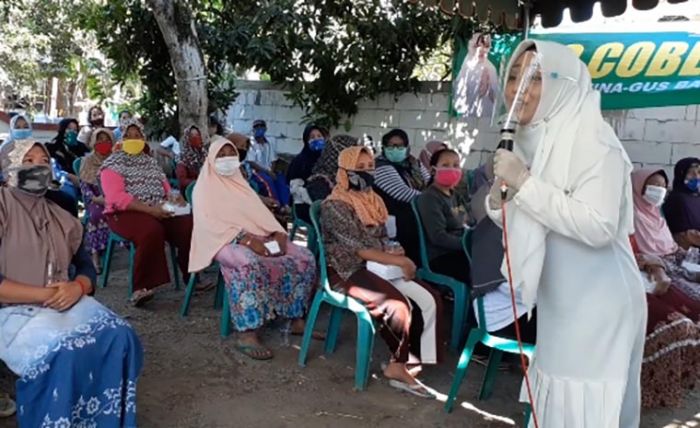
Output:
x,y
693,184
318,144
259,132
396,154
21,134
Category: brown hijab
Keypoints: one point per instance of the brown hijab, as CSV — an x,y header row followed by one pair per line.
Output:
x,y
92,162
34,232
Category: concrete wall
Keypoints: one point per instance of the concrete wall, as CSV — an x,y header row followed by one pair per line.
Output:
x,y
653,136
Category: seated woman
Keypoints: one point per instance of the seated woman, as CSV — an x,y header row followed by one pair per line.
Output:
x,y
191,159
443,230
400,178
53,333
662,255
321,182
96,230
682,208
65,147
135,189
302,166
672,347
233,226
353,225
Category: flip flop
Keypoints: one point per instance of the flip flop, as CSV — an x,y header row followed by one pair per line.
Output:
x,y
7,406
201,288
317,335
254,351
142,298
419,390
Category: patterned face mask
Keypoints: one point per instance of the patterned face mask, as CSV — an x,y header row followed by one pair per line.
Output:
x,y
360,180
34,179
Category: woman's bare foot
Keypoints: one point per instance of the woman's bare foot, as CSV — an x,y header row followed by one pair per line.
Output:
x,y
97,262
399,371
298,326
249,344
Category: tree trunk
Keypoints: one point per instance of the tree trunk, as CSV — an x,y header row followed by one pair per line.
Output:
x,y
175,20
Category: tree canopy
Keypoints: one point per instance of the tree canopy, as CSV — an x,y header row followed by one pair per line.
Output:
x,y
328,54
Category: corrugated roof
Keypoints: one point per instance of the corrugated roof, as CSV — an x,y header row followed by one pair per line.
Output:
x,y
507,11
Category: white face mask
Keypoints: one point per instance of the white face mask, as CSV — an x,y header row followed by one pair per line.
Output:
x,y
655,195
227,166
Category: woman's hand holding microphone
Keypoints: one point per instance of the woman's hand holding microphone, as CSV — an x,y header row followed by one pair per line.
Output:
x,y
509,170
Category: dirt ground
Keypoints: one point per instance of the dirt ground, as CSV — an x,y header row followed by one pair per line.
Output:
x,y
193,378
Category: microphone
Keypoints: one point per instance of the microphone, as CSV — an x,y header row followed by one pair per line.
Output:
x,y
506,143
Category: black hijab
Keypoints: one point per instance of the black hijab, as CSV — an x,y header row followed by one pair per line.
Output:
x,y
302,165
682,208
60,151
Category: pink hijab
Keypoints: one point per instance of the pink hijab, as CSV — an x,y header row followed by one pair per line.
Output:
x,y
650,229
222,208
431,147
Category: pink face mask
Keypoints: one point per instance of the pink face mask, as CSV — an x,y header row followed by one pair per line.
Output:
x,y
448,177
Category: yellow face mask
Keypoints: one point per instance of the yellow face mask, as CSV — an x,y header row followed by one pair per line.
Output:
x,y
133,147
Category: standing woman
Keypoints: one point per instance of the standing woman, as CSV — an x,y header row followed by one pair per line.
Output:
x,y
193,156
66,148
400,178
135,190
97,229
78,363
570,215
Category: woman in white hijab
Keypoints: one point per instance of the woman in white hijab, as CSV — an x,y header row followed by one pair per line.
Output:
x,y
569,214
476,87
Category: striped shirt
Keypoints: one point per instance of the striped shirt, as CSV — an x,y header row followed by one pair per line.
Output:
x,y
390,182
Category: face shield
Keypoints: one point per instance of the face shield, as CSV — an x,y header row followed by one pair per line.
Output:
x,y
522,85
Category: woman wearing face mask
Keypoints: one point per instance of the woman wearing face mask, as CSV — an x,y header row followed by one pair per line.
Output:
x,y
20,129
135,190
353,221
302,166
672,347
570,212
96,119
97,229
400,178
442,227
682,208
53,332
124,118
192,158
65,147
233,227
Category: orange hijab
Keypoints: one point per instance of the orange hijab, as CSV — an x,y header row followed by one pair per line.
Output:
x,y
368,206
223,207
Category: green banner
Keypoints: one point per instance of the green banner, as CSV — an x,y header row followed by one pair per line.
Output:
x,y
631,70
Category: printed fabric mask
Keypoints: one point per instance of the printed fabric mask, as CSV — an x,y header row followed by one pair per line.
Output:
x,y
34,179
361,180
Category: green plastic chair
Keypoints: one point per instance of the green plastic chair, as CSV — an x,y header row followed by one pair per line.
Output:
x,y
107,262
76,167
339,302
310,231
221,295
460,291
497,344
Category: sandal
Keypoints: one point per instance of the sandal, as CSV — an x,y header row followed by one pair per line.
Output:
x,y
7,406
141,297
255,352
419,390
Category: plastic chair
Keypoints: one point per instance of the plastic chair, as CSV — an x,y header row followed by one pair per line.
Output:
x,y
310,231
339,302
107,262
76,167
221,295
460,291
497,344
